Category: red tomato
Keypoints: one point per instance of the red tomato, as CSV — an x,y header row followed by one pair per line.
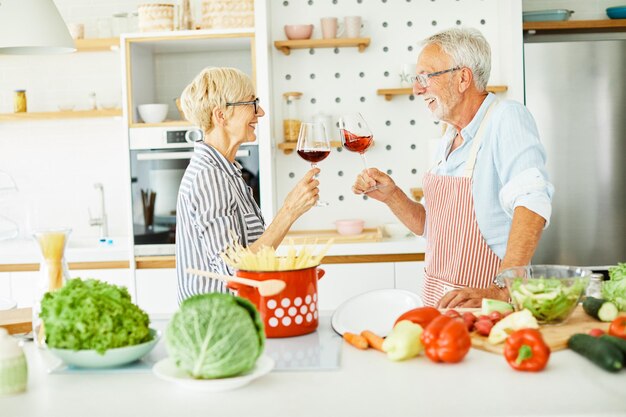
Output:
x,y
483,327
495,316
452,313
595,332
469,319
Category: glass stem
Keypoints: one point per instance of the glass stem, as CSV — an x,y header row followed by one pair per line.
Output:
x,y
364,160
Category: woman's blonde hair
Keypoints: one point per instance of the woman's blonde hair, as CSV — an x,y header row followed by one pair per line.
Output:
x,y
213,88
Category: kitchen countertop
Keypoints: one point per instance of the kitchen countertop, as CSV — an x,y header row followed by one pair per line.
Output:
x,y
366,384
25,251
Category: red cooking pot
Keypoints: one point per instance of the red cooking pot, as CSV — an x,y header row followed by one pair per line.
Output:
x,y
293,311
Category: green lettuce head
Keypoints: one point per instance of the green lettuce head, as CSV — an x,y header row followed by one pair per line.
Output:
x,y
91,314
215,336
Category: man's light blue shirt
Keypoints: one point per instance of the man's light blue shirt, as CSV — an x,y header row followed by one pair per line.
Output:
x,y
509,172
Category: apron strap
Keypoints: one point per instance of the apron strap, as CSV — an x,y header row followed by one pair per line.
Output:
x,y
478,140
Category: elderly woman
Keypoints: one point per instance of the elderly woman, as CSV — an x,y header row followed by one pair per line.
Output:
x,y
213,198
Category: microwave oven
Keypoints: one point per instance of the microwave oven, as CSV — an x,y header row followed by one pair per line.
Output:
x,y
158,159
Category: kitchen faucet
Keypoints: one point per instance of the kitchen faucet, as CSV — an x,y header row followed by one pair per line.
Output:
x,y
102,220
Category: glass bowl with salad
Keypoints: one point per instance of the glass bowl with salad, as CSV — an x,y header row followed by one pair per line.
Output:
x,y
550,292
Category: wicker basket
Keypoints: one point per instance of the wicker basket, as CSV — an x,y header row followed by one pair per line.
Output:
x,y
156,17
227,14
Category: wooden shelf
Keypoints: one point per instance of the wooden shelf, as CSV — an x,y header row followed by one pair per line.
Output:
x,y
289,147
73,114
167,123
97,45
287,46
577,26
390,92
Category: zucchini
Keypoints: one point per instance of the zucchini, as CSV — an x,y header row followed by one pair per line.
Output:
x,y
620,343
604,354
600,309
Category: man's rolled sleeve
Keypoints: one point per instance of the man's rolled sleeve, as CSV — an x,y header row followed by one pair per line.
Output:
x,y
528,189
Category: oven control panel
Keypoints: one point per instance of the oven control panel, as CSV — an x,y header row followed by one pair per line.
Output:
x,y
175,136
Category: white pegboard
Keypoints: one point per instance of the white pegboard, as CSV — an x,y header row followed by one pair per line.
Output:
x,y
335,81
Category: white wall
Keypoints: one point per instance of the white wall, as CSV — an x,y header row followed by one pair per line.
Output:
x,y
331,83
55,163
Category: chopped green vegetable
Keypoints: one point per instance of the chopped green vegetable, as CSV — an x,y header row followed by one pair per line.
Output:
x,y
489,306
215,336
91,314
550,300
614,290
404,341
515,321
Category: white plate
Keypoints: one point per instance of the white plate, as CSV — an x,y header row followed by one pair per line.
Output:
x,y
376,311
166,369
7,304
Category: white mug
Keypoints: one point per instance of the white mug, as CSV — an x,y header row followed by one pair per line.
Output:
x,y
352,26
407,72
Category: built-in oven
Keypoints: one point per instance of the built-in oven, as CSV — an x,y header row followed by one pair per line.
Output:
x,y
158,159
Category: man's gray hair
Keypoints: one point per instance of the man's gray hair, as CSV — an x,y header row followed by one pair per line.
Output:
x,y
468,48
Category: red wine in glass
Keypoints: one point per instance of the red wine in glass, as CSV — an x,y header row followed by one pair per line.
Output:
x,y
356,136
313,146
313,156
354,142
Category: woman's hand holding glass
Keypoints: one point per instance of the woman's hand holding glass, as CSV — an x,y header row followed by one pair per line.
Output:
x,y
303,196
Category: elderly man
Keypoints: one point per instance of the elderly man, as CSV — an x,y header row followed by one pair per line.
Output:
x,y
487,199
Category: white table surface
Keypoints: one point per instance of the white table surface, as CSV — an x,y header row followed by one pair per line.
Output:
x,y
367,384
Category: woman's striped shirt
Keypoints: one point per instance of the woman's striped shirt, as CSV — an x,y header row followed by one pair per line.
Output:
x,y
212,200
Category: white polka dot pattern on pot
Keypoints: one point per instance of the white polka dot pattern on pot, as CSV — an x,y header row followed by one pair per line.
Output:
x,y
285,312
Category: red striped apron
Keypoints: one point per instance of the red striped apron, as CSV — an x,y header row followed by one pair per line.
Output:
x,y
457,255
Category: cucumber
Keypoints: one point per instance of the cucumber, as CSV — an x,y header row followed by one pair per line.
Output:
x,y
600,309
489,306
604,354
620,343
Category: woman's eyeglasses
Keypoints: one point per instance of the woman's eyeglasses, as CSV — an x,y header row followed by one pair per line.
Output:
x,y
423,79
254,102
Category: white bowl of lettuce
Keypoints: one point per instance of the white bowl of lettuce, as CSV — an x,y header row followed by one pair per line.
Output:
x,y
111,357
93,324
550,292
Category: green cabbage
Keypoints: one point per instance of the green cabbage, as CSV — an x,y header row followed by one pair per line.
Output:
x,y
91,314
215,336
614,290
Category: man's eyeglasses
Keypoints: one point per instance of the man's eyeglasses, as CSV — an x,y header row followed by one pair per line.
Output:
x,y
423,79
254,102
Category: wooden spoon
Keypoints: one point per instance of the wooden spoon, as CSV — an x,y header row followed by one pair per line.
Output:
x,y
266,288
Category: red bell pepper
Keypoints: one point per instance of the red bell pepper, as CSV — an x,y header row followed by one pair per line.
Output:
x,y
446,340
420,315
618,327
525,350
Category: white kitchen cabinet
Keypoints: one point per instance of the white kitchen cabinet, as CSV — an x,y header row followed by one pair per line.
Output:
x,y
343,281
5,285
121,277
410,276
23,287
156,291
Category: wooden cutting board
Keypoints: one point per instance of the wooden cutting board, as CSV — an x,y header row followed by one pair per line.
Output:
x,y
555,336
301,237
17,321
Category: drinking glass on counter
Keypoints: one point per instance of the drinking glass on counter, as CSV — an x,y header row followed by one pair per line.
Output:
x,y
356,136
313,146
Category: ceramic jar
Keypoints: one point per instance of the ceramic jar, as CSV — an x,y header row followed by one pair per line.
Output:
x,y
13,369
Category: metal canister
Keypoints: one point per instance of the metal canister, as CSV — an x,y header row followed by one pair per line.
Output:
x,y
19,101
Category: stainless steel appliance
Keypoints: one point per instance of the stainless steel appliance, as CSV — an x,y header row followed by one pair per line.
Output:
x,y
576,90
158,159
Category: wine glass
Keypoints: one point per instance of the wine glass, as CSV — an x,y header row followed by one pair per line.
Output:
x,y
356,136
313,146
